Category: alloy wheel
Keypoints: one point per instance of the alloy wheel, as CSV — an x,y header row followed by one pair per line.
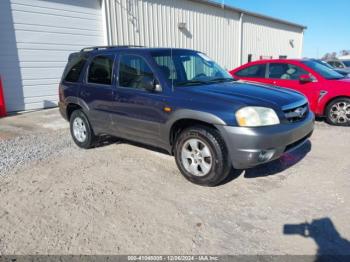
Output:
x,y
196,157
340,113
79,129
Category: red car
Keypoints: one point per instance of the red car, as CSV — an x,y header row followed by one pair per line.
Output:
x,y
328,92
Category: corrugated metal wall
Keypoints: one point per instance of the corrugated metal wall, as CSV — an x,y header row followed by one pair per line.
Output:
x,y
154,23
262,37
36,38
213,30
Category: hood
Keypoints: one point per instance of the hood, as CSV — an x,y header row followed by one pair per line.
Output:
x,y
246,93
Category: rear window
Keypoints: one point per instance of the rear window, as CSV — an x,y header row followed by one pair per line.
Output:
x,y
74,68
100,70
255,71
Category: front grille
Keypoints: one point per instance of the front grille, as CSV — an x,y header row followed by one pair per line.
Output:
x,y
296,114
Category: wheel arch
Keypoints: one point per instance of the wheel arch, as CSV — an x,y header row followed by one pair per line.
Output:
x,y
184,123
329,101
74,103
185,118
71,107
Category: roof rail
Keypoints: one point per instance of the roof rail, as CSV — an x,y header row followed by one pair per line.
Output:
x,y
93,48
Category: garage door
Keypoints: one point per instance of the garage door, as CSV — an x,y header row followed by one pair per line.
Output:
x,y
36,37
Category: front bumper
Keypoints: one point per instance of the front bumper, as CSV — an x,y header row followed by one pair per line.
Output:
x,y
249,147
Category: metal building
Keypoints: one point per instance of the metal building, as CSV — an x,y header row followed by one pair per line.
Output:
x,y
226,34
36,37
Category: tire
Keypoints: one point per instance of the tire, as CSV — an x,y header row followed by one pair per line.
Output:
x,y
81,131
210,170
338,112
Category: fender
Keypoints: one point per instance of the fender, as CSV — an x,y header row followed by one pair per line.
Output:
x,y
187,114
78,101
323,99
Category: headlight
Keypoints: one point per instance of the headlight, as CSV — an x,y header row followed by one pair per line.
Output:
x,y
251,116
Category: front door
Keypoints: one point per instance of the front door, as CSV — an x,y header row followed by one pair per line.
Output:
x,y
287,75
137,113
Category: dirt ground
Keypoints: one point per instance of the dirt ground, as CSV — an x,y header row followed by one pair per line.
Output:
x,y
125,199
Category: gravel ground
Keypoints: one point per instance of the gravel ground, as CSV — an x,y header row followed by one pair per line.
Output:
x,y
21,151
125,199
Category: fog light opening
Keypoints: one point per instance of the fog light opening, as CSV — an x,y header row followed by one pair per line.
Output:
x,y
266,155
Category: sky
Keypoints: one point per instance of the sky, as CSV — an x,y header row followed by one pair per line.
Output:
x,y
327,21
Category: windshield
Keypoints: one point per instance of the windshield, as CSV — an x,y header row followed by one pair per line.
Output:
x,y
324,63
187,68
346,63
323,70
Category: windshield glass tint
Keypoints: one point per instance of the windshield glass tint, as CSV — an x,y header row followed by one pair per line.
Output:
x,y
324,63
346,63
183,67
323,70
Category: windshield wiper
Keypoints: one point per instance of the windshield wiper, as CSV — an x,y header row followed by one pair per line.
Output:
x,y
222,79
202,82
191,82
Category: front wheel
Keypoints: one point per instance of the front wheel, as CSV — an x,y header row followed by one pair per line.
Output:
x,y
201,156
338,112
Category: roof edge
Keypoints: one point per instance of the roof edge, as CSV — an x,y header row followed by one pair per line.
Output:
x,y
229,7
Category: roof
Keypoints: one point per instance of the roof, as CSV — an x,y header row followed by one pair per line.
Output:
x,y
111,48
229,7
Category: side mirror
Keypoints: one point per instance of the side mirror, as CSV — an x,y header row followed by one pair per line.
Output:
x,y
150,84
305,79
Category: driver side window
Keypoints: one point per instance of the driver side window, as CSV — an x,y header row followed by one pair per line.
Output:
x,y
132,71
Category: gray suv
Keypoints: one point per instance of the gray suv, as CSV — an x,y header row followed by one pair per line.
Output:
x,y
183,102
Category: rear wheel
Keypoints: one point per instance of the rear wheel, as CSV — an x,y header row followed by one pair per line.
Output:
x,y
81,130
338,112
201,156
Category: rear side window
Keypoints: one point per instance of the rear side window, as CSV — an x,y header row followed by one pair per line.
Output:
x,y
255,71
74,68
100,70
285,71
132,70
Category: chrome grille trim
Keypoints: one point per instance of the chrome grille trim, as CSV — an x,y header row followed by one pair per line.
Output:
x,y
296,114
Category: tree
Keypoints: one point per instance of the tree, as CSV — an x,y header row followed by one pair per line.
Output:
x,y
326,56
329,56
344,52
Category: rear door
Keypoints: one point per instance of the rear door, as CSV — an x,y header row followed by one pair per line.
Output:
x,y
254,73
288,74
97,91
